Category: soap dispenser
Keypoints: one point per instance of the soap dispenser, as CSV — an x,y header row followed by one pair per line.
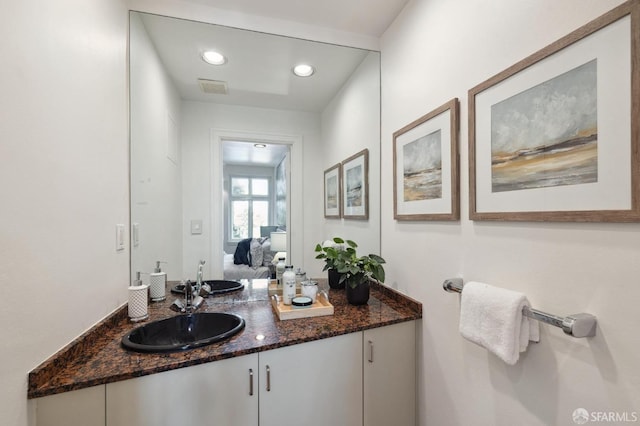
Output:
x,y
137,305
158,281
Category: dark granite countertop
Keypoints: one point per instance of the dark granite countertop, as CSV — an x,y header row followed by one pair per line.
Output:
x,y
97,357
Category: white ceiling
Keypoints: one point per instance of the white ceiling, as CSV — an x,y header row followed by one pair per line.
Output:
x,y
258,71
368,17
241,153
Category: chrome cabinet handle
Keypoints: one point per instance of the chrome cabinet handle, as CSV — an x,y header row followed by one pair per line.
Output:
x,y
370,351
268,379
251,382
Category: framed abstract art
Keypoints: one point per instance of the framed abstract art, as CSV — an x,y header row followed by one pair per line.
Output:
x,y
425,166
555,137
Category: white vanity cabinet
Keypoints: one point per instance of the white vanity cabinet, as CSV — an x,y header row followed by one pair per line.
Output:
x,y
389,382
317,383
80,407
217,393
365,378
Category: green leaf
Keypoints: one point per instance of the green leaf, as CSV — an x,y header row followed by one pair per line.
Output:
x,y
338,240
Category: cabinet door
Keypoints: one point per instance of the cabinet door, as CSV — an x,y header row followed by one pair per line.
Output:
x,y
316,383
390,375
81,407
214,393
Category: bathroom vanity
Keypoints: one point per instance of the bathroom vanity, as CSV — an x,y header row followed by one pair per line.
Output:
x,y
352,368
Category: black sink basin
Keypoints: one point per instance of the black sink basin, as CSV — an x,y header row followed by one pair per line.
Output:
x,y
217,286
183,332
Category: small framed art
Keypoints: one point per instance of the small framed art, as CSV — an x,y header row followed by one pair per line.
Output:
x,y
332,197
425,166
355,186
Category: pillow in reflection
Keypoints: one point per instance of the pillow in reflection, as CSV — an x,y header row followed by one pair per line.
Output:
x,y
255,253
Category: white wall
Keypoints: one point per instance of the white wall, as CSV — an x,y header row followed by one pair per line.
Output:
x,y
437,50
156,189
199,120
63,180
351,123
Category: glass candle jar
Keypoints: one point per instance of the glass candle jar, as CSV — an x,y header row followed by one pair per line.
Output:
x,y
310,289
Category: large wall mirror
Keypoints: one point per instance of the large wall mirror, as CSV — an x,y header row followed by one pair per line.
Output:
x,y
222,153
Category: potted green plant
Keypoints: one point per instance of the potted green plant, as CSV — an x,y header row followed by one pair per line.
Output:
x,y
329,251
355,271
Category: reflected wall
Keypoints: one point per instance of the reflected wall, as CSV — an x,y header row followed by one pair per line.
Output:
x,y
176,164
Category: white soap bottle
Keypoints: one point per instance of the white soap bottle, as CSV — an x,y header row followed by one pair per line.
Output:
x,y
158,281
137,306
288,285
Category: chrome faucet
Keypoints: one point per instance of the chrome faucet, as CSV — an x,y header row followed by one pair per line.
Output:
x,y
191,301
199,276
188,296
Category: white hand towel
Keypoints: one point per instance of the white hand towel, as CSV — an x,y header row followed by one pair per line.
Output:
x,y
492,318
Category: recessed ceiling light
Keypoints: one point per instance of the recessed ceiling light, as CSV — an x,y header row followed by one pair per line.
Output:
x,y
303,70
214,58
259,145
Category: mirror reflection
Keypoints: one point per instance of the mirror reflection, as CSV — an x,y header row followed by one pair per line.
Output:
x,y
229,145
255,208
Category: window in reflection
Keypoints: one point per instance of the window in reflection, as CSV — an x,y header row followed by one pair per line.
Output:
x,y
250,206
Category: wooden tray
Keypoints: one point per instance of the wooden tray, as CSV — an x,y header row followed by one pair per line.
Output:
x,y
273,288
320,307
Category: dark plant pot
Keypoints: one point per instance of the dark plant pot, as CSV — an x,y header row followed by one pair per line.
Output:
x,y
334,279
358,295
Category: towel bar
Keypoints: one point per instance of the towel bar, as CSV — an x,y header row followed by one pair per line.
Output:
x,y
576,325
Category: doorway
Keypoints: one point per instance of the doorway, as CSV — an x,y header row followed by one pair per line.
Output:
x,y
255,187
235,156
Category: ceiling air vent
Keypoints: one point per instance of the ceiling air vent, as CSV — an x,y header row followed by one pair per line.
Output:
x,y
215,87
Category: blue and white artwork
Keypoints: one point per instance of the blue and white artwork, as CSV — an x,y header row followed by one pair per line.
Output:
x,y
422,168
547,135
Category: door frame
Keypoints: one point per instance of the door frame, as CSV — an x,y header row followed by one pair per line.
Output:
x,y
295,212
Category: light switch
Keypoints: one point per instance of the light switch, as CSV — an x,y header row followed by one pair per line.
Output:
x,y
196,227
120,237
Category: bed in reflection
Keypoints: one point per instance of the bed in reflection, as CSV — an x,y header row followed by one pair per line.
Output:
x,y
240,272
253,257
